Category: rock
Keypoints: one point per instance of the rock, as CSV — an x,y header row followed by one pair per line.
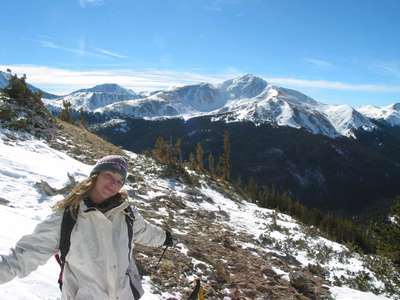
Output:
x,y
4,201
309,285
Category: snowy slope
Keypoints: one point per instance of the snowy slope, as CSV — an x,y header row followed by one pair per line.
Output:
x,y
389,114
93,98
346,119
25,161
22,164
246,98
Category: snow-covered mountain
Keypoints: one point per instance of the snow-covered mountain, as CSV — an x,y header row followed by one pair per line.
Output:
x,y
260,251
93,98
389,114
246,98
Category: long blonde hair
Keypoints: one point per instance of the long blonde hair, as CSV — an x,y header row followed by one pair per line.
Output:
x,y
80,192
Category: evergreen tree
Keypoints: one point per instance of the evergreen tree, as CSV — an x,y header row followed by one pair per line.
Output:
x,y
18,89
160,150
199,157
226,165
223,165
252,189
82,119
192,161
389,234
65,113
178,151
211,167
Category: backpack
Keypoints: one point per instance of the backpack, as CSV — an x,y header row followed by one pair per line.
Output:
x,y
68,223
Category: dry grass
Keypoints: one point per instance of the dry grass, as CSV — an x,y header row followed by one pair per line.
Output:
x,y
82,144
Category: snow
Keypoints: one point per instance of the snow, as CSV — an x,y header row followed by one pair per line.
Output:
x,y
344,293
22,164
390,114
251,219
26,160
284,274
245,98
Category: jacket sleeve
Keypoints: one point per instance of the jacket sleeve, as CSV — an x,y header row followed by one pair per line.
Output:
x,y
145,233
32,250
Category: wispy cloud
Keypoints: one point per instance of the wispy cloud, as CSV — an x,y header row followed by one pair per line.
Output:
x,y
319,63
389,68
81,50
85,3
111,53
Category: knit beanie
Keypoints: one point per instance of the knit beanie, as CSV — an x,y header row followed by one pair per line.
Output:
x,y
114,163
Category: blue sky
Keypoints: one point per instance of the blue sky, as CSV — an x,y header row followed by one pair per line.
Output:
x,y
343,52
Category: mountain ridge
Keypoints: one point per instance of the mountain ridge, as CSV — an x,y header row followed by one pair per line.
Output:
x,y
243,98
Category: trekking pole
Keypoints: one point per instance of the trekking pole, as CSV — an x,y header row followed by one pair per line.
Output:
x,y
162,255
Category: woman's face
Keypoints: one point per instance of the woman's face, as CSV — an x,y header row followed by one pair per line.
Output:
x,y
107,184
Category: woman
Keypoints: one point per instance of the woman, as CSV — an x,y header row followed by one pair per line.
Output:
x,y
98,264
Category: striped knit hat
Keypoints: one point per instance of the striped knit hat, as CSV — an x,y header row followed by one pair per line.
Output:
x,y
114,163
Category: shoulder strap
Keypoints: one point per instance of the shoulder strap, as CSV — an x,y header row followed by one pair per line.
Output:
x,y
67,224
129,218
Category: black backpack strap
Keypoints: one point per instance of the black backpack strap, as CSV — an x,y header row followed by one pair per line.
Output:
x,y
129,218
67,224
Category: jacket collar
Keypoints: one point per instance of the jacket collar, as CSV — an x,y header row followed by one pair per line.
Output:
x,y
108,207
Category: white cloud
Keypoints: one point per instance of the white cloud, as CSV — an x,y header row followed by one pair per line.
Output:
x,y
62,81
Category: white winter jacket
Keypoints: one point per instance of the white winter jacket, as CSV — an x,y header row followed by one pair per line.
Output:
x,y
98,264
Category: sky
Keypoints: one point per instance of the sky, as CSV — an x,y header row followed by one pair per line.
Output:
x,y
338,52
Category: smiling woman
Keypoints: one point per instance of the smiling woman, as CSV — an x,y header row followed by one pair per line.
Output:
x,y
93,228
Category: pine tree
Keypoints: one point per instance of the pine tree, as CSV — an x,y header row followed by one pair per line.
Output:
x,y
178,151
226,165
199,157
389,243
192,161
223,165
211,167
160,150
252,189
82,119
65,113
18,89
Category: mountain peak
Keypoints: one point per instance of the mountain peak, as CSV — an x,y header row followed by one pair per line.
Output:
x,y
111,88
248,78
246,86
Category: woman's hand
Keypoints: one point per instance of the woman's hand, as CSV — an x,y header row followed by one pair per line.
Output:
x,y
170,240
